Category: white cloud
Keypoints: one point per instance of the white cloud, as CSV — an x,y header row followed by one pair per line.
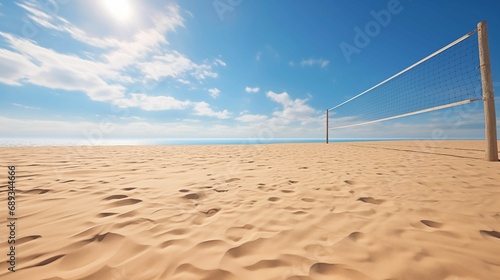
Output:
x,y
281,98
294,110
158,103
14,67
25,107
60,24
267,52
133,128
204,71
203,109
151,102
220,62
214,92
249,118
174,64
189,13
253,131
258,56
104,77
323,63
48,68
252,89
132,118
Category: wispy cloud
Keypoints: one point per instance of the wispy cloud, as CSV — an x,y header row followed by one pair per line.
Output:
x,y
152,103
323,63
161,103
252,89
121,53
214,92
219,62
26,107
249,118
267,52
174,65
47,68
133,128
105,77
203,109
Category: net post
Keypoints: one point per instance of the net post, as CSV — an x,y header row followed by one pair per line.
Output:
x,y
326,126
488,94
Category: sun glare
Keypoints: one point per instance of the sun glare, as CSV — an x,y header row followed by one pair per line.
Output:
x,y
119,9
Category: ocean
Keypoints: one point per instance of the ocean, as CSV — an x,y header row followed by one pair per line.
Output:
x,y
35,142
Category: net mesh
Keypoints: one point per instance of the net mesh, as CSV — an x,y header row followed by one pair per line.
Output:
x,y
451,76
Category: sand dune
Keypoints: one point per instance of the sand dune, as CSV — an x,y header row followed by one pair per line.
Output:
x,y
379,210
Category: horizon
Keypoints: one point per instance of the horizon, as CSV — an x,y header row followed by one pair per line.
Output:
x,y
209,70
75,142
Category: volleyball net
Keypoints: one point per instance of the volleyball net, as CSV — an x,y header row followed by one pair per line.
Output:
x,y
449,77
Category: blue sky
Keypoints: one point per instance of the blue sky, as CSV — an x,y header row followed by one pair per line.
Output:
x,y
219,69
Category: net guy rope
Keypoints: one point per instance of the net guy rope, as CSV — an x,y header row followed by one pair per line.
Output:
x,y
448,77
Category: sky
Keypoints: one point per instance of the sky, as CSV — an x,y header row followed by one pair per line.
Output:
x,y
100,69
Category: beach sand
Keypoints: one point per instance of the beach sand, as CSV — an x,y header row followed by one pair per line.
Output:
x,y
375,210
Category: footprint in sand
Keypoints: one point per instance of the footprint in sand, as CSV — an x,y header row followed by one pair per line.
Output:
x,y
36,191
191,196
232,180
371,200
210,212
287,191
47,261
126,202
116,196
274,199
237,233
106,214
490,233
307,199
27,239
356,235
266,189
325,269
183,190
431,224
128,189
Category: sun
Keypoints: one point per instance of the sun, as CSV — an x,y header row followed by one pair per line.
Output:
x,y
119,9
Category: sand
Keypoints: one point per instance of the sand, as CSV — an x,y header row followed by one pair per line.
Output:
x,y
379,210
